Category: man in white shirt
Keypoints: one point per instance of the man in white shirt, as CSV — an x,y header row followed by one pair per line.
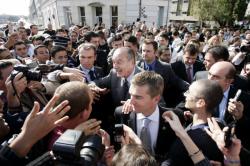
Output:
x,y
145,91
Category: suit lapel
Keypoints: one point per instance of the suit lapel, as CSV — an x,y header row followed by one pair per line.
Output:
x,y
132,121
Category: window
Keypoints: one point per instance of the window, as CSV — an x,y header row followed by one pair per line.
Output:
x,y
114,15
67,15
82,15
98,14
179,7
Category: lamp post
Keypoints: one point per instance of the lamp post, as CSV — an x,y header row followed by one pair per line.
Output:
x,y
140,9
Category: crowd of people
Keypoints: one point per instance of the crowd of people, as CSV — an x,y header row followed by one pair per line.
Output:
x,y
173,90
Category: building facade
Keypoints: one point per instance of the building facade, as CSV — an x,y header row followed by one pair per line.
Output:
x,y
109,12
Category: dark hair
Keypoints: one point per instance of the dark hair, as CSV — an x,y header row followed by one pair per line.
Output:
x,y
87,37
116,38
20,42
38,37
164,35
60,30
77,93
189,33
4,65
219,52
56,49
153,80
37,47
31,26
191,49
101,34
152,42
175,33
132,39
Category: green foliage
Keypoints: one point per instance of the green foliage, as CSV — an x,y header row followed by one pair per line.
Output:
x,y
222,11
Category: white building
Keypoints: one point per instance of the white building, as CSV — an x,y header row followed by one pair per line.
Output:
x,y
90,12
179,12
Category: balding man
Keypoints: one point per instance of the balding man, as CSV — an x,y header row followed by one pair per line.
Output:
x,y
217,54
229,110
118,80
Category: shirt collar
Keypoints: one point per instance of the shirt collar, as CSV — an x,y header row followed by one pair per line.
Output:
x,y
86,70
153,117
129,78
225,94
152,64
187,66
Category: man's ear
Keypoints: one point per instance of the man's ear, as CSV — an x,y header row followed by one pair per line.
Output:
x,y
200,103
157,98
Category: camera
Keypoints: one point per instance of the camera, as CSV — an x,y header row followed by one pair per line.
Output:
x,y
34,72
245,48
60,41
73,148
229,134
30,74
118,133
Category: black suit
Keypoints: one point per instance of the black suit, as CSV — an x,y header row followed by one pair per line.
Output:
x,y
180,69
173,85
166,136
115,85
242,125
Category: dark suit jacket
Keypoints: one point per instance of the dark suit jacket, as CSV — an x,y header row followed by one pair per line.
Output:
x,y
173,85
180,69
166,136
114,84
242,125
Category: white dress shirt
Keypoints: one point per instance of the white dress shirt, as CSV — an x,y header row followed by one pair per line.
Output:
x,y
153,125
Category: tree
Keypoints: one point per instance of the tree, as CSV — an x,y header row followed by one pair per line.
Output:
x,y
225,12
240,9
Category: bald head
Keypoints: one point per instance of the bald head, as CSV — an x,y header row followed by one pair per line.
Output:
x,y
208,90
223,72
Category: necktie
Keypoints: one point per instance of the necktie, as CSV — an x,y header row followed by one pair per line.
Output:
x,y
125,89
189,76
145,135
92,75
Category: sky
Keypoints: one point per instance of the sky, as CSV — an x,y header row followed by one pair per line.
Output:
x,y
14,7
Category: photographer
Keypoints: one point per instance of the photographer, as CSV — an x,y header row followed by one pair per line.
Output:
x,y
243,56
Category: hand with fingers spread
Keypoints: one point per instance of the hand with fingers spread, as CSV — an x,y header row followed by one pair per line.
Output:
x,y
235,108
217,135
127,106
38,124
90,127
